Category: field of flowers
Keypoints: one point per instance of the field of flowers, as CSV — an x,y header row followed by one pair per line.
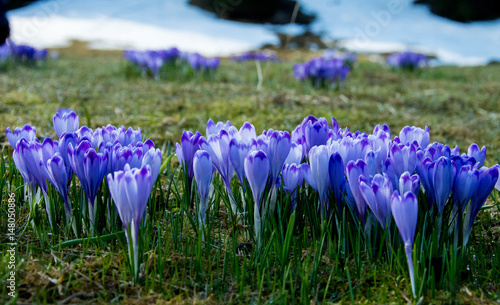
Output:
x,y
169,177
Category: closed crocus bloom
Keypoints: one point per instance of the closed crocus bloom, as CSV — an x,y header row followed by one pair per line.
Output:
x,y
65,122
238,150
186,150
319,159
354,171
405,212
437,150
404,158
129,136
279,148
213,129
410,135
424,169
257,172
127,188
409,183
316,133
26,132
90,167
31,153
292,178
478,154
64,142
203,170
465,185
295,155
247,132
153,158
381,142
488,177
377,195
337,176
442,179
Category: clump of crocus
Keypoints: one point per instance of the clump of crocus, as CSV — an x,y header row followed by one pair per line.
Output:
x,y
349,59
130,190
151,61
200,63
258,56
407,60
322,72
21,53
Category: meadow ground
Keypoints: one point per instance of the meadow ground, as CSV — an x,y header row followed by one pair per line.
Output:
x,y
460,105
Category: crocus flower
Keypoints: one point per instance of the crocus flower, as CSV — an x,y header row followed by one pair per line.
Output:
x,y
185,152
442,173
203,170
319,159
292,178
478,154
354,171
90,167
409,183
377,195
238,150
337,177
407,60
488,177
26,132
65,122
410,135
278,150
295,155
405,212
404,158
316,133
257,169
127,188
437,150
153,158
213,128
465,185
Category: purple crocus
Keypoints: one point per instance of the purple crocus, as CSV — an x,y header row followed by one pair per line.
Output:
x,y
488,177
337,177
278,150
377,195
410,135
185,152
292,179
295,155
405,212
404,158
152,157
316,133
90,167
128,190
354,171
238,150
26,132
442,173
257,169
478,154
409,183
65,122
213,128
203,171
318,176
218,148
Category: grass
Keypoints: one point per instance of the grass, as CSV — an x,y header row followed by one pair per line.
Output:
x,y
460,106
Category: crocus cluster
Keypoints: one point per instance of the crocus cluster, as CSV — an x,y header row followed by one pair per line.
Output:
x,y
24,53
260,56
200,63
373,174
152,60
347,58
90,155
322,72
407,60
